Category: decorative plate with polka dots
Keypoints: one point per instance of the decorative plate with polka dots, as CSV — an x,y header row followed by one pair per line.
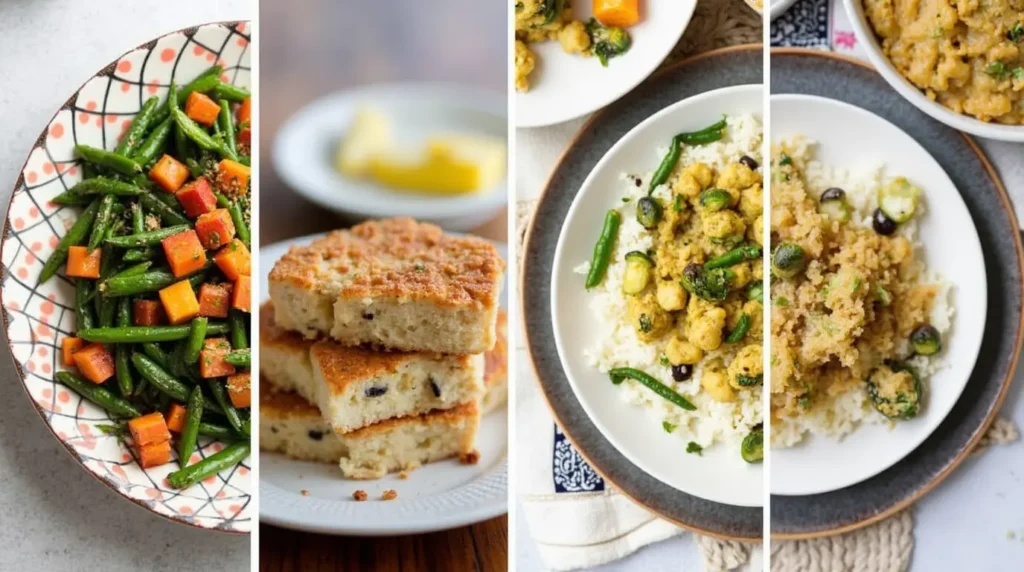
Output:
x,y
38,316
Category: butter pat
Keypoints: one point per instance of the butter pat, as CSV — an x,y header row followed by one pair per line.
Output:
x,y
450,165
369,134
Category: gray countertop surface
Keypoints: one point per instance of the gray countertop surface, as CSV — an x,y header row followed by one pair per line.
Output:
x,y
54,515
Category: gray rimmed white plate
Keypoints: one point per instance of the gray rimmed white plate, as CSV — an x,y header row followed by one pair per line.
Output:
x,y
710,71
826,75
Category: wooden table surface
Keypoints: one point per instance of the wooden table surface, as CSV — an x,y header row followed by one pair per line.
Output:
x,y
309,48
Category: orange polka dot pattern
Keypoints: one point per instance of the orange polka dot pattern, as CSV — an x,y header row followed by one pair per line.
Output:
x,y
38,317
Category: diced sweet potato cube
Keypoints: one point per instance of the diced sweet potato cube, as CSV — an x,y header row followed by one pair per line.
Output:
x,y
95,362
233,260
176,417
155,454
211,358
239,390
201,108
241,294
214,299
68,347
215,228
82,263
148,429
232,177
245,111
184,253
197,197
169,173
148,313
179,302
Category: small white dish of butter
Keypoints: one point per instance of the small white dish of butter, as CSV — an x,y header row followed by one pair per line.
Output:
x,y
434,152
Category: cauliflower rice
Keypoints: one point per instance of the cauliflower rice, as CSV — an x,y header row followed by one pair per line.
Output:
x,y
713,421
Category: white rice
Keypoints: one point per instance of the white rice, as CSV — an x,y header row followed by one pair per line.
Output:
x,y
848,410
712,421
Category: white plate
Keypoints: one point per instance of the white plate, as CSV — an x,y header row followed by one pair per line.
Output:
x,y
779,7
304,150
853,138
436,496
720,475
564,86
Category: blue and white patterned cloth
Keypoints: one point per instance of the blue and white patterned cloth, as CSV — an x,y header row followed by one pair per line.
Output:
x,y
821,24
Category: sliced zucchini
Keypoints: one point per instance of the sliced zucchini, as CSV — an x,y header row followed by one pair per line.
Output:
x,y
898,199
638,272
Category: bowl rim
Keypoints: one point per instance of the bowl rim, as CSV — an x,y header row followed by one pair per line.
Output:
x,y
962,122
107,70
457,96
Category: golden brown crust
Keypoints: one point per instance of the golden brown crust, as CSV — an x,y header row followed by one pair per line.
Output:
x,y
273,335
451,417
496,360
341,365
284,404
397,259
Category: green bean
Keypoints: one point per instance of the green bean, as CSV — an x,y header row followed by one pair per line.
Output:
x,y
135,270
238,358
620,373
235,210
194,416
196,337
237,321
668,163
109,160
227,126
157,354
102,222
232,455
138,127
230,92
215,431
122,352
149,281
138,255
162,210
734,257
75,235
603,248
155,144
69,199
83,310
203,83
194,168
123,317
150,238
200,137
98,395
105,186
142,334
742,327
158,376
220,396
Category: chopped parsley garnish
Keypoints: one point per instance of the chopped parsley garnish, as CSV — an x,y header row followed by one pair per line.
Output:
x,y
780,301
1018,73
997,70
1016,33
693,447
677,205
664,361
786,160
668,427
645,323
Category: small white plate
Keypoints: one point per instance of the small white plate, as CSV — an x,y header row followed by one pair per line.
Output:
x,y
305,146
564,86
436,496
719,475
850,137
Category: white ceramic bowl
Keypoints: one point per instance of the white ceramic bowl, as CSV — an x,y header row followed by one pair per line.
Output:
x,y
304,150
564,86
719,475
436,496
856,139
38,316
867,38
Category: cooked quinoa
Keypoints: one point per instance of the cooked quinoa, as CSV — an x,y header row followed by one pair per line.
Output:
x,y
848,312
